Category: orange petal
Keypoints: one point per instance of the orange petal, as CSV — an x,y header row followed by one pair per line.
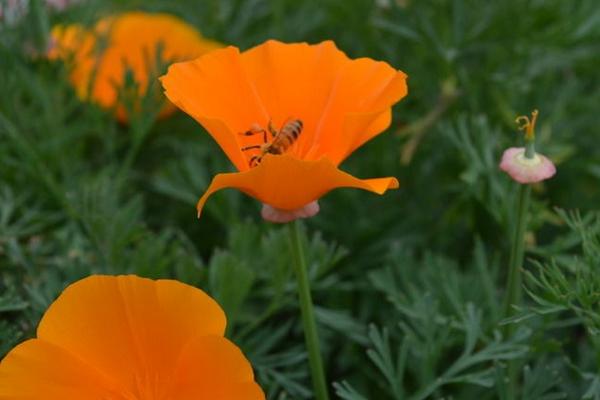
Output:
x,y
131,329
215,91
74,43
341,102
228,375
359,108
131,43
40,370
338,99
324,88
294,80
287,183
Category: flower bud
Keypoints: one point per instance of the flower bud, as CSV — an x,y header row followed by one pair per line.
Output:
x,y
526,170
523,164
276,215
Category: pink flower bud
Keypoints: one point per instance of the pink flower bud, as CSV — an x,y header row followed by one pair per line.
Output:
x,y
276,215
526,170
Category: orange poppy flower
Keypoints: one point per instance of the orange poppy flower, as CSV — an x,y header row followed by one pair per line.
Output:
x,y
124,42
287,115
126,338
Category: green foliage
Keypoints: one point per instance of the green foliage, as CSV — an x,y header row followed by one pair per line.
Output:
x,y
571,285
408,286
437,337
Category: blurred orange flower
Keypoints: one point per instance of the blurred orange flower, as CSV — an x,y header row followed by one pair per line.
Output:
x,y
102,55
127,337
287,115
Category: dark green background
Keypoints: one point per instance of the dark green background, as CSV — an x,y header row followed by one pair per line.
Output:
x,y
423,266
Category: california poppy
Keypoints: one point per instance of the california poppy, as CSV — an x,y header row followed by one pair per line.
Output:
x,y
287,115
126,337
129,41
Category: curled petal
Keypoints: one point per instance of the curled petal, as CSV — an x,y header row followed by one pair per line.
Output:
x,y
287,183
359,108
526,170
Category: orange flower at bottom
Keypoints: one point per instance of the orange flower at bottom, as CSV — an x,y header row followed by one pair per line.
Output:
x,y
121,42
129,338
320,104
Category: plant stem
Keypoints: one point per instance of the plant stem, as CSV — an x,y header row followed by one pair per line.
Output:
x,y
40,25
529,149
308,315
513,286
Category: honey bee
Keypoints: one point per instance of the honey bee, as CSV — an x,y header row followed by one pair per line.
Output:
x,y
282,139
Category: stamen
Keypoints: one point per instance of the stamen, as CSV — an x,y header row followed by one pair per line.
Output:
x,y
528,125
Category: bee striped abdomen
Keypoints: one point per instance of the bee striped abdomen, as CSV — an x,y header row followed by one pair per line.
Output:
x,y
286,137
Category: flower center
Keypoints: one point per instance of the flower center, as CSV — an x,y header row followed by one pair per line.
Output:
x,y
522,159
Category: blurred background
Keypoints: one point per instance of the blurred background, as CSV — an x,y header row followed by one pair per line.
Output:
x,y
406,284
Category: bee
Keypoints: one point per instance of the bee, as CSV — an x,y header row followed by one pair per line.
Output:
x,y
282,139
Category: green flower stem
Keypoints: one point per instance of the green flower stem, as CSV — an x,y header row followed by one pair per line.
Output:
x,y
41,25
513,286
529,148
308,315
